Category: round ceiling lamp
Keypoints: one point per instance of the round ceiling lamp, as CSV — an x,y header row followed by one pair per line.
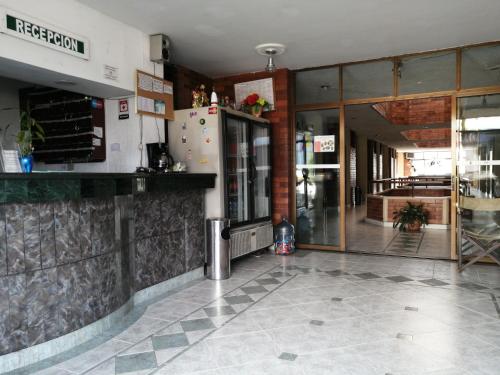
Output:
x,y
270,50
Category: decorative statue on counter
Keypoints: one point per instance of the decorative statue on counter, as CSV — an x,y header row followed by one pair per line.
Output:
x,y
200,97
227,102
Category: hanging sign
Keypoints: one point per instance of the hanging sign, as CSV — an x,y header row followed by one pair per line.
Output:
x,y
324,143
33,30
123,109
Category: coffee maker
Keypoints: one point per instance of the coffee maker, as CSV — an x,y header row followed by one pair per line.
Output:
x,y
158,157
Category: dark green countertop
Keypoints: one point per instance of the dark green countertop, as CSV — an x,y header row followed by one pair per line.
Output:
x,y
54,186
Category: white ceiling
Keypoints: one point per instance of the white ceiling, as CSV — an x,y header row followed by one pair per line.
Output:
x,y
217,37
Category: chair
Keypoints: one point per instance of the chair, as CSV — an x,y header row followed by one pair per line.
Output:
x,y
478,240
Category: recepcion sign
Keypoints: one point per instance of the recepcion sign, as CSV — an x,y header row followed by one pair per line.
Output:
x,y
32,30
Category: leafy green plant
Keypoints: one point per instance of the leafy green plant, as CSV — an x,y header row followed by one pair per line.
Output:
x,y
409,215
30,130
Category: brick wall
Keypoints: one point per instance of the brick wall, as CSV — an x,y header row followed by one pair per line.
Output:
x,y
185,80
280,123
427,134
375,208
433,206
416,111
432,192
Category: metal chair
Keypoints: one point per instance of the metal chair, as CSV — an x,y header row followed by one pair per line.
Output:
x,y
478,240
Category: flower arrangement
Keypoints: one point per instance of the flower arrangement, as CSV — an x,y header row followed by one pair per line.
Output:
x,y
254,104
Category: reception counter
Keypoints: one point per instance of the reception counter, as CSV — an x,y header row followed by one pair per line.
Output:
x,y
74,248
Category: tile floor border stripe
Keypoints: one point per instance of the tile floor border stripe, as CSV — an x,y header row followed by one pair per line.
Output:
x,y
177,321
495,303
222,325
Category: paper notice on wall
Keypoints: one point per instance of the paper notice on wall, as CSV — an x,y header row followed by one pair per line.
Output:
x,y
98,131
324,143
10,161
168,89
158,85
145,104
145,82
159,106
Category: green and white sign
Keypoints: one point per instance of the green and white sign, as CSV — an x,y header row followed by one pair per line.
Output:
x,y
32,30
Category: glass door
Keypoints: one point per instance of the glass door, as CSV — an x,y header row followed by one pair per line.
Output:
x,y
318,179
261,169
479,179
237,170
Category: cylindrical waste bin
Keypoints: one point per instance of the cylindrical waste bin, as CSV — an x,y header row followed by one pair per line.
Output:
x,y
358,195
218,249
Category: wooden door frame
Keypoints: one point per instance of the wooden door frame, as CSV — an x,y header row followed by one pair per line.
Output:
x,y
455,179
340,104
293,196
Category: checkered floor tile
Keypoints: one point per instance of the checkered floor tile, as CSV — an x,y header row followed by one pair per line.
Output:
x,y
367,276
433,282
399,279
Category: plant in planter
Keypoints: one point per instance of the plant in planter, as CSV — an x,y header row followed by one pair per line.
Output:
x,y
254,105
410,217
30,131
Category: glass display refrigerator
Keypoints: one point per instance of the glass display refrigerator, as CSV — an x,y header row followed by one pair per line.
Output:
x,y
237,147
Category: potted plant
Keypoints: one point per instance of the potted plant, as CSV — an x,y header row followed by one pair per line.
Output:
x,y
410,217
254,105
30,130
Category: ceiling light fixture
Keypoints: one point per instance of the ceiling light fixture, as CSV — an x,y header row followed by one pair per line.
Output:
x,y
270,50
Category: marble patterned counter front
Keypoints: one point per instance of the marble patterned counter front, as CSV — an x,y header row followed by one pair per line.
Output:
x,y
65,264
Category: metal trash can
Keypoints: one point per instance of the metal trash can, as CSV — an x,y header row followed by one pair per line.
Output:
x,y
218,251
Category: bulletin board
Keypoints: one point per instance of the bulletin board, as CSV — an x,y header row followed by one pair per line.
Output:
x,y
263,87
154,96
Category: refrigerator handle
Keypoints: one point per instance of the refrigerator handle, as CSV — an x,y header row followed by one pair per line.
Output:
x,y
253,172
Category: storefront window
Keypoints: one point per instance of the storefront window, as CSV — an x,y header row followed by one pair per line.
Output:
x,y
317,86
368,80
427,73
430,163
480,66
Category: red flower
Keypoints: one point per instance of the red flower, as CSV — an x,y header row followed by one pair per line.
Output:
x,y
252,99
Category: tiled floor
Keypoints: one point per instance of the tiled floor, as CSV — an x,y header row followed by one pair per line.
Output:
x,y
312,313
365,237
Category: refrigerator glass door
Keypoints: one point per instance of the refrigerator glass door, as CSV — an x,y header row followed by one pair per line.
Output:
x,y
238,171
261,170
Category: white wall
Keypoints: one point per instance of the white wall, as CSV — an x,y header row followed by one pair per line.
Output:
x,y
126,133
111,43
9,111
